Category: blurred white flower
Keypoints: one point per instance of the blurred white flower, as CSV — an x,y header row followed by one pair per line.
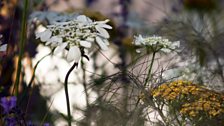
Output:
x,y
76,34
156,43
3,47
139,40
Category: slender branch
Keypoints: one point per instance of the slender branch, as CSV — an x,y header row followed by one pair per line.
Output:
x,y
67,95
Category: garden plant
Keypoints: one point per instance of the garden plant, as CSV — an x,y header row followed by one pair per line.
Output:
x,y
79,63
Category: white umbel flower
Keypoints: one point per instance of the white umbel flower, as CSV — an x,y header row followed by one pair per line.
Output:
x,y
76,34
156,43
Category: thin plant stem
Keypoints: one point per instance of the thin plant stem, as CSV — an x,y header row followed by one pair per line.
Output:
x,y
67,95
150,69
29,86
21,47
148,75
31,80
46,114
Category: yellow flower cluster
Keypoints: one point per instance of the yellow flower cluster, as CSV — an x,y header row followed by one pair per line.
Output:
x,y
203,107
172,90
193,100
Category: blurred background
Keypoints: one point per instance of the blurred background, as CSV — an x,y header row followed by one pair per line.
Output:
x,y
104,91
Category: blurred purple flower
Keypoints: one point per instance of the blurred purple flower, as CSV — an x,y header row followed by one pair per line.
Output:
x,y
8,103
30,123
46,124
10,121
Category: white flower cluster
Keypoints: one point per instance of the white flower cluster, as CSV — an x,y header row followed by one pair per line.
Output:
x,y
3,47
71,35
156,43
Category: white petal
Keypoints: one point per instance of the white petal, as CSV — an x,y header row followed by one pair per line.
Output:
x,y
106,41
47,43
176,44
139,40
60,23
90,39
60,48
44,36
101,43
74,53
102,22
102,31
54,41
85,44
82,18
40,29
55,44
38,34
105,26
3,48
89,20
165,50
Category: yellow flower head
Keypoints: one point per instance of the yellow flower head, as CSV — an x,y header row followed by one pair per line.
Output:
x,y
192,99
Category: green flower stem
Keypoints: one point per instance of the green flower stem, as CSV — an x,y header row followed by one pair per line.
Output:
x,y
21,46
150,68
148,75
67,95
147,79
